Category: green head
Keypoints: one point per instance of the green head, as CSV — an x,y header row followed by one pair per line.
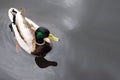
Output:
x,y
41,33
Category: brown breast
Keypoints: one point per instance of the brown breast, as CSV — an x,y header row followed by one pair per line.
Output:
x,y
42,50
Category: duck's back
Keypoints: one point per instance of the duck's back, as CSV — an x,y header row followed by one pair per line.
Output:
x,y
24,34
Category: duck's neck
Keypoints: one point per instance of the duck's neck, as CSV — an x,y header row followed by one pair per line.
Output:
x,y
40,40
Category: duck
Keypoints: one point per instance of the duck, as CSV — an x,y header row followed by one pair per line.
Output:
x,y
33,39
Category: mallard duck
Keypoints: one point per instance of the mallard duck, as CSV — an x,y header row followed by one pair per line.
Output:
x,y
30,37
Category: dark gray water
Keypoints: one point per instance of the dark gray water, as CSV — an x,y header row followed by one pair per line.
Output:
x,y
89,49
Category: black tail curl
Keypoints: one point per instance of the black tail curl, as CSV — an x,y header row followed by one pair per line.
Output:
x,y
43,63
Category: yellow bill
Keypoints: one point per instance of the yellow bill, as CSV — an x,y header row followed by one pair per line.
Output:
x,y
53,38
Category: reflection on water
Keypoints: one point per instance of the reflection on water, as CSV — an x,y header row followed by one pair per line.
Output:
x,y
70,3
69,22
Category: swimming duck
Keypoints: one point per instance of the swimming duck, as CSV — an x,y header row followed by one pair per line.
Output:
x,y
29,36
